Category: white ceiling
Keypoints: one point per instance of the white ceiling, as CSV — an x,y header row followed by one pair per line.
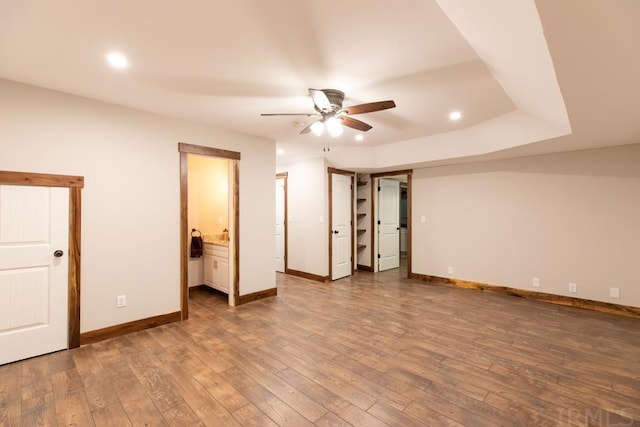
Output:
x,y
529,77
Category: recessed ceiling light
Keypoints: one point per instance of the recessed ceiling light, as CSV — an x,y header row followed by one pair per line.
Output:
x,y
117,60
455,115
280,151
359,137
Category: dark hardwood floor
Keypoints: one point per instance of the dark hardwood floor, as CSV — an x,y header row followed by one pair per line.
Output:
x,y
366,351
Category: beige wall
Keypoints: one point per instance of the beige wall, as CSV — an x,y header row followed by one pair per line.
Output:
x,y
208,194
570,217
130,206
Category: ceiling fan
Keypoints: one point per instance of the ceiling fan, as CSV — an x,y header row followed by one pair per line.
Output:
x,y
331,114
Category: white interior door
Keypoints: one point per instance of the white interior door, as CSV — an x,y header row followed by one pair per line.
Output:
x,y
34,224
341,248
280,230
389,224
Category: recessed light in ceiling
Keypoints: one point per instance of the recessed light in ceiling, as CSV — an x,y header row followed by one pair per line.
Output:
x,y
455,115
117,60
359,137
280,151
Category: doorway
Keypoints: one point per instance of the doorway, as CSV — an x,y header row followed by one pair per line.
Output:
x,y
341,211
391,220
40,262
281,222
222,254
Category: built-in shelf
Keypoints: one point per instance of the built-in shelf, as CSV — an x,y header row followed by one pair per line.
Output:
x,y
363,228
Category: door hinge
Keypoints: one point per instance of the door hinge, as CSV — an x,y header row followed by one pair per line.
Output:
x,y
378,222
378,188
378,256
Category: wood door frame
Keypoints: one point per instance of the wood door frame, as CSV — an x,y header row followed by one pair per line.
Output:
x,y
75,184
186,149
330,221
374,188
285,177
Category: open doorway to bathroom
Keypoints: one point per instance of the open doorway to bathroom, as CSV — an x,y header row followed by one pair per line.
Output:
x,y
209,204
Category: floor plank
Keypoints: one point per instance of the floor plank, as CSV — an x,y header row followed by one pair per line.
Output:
x,y
369,350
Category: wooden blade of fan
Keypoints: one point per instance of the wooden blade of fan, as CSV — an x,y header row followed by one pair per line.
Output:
x,y
320,100
288,114
369,107
355,124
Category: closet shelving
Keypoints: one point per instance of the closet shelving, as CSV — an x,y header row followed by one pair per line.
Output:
x,y
363,210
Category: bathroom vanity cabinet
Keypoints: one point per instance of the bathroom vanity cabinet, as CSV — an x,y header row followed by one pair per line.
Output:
x,y
216,266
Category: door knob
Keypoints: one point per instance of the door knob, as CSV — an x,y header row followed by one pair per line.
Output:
x,y
335,231
58,253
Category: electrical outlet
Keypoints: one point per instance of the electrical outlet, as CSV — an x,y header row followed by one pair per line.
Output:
x,y
614,293
450,270
121,301
535,282
573,288
423,219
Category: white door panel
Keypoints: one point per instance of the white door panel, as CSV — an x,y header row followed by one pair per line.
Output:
x,y
341,202
33,282
389,228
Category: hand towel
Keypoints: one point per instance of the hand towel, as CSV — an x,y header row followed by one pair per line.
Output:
x,y
196,246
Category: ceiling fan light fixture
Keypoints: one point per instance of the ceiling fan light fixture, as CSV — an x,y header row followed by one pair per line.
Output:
x,y
317,128
334,127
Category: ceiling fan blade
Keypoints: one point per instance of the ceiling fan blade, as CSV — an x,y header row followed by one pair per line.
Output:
x,y
320,100
288,114
307,128
355,124
369,107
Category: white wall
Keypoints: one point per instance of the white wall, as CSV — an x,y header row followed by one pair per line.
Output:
x,y
130,205
570,217
307,209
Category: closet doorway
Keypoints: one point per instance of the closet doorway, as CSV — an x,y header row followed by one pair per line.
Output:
x,y
219,229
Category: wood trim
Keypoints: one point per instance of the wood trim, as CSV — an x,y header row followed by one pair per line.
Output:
x,y
365,268
208,151
409,221
129,327
392,173
184,261
75,239
41,179
330,221
306,275
285,177
255,296
372,230
234,157
604,307
340,171
75,185
236,229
